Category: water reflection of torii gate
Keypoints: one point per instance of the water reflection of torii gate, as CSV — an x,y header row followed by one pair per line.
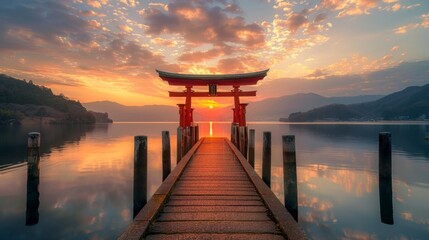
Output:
x,y
212,81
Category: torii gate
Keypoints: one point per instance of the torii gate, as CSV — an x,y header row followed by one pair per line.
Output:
x,y
212,81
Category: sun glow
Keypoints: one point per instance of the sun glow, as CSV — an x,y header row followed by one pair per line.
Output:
x,y
205,103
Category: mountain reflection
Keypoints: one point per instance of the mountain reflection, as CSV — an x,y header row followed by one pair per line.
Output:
x,y
13,143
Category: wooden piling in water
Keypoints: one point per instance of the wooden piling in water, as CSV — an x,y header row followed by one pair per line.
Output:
x,y
33,176
179,144
166,155
385,177
184,141
188,139
246,140
385,155
290,176
266,158
251,155
33,140
242,140
234,134
197,133
140,173
194,135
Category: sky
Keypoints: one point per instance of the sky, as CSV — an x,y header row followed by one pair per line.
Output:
x,y
95,50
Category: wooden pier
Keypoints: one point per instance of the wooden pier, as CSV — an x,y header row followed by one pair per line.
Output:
x,y
213,193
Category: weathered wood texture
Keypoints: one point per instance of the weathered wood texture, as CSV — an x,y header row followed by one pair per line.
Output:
x,y
166,155
216,198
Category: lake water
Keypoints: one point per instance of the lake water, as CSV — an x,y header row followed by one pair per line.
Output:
x,y
82,186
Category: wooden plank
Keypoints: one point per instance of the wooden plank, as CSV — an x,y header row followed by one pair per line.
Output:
x,y
216,197
213,216
260,208
214,236
214,227
204,202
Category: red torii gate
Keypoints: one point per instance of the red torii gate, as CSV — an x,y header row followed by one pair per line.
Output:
x,y
212,81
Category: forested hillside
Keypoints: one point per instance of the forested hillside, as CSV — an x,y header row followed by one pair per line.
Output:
x,y
411,103
20,100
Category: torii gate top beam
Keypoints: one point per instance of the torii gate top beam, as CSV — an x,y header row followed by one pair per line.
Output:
x,y
178,79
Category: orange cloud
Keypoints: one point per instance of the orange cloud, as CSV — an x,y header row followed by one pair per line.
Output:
x,y
425,20
396,7
241,64
125,28
406,28
95,3
350,7
130,3
200,56
161,5
164,42
94,24
423,24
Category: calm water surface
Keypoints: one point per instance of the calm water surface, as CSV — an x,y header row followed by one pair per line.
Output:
x,y
82,186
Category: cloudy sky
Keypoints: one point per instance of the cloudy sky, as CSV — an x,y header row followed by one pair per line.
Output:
x,y
94,50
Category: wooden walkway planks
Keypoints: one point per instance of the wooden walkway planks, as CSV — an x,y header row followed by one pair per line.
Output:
x,y
213,197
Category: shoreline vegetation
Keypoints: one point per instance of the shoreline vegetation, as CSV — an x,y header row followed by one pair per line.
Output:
x,y
23,102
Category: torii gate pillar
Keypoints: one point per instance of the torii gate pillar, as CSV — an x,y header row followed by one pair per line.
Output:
x,y
182,115
188,108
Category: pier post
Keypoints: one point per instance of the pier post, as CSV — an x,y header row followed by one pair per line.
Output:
x,y
251,155
192,136
234,134
185,140
140,173
179,144
33,140
188,144
246,141
385,177
232,131
242,140
166,155
266,159
197,133
33,176
290,176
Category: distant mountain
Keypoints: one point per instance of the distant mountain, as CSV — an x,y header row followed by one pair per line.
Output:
x,y
124,113
267,110
411,103
22,101
273,109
